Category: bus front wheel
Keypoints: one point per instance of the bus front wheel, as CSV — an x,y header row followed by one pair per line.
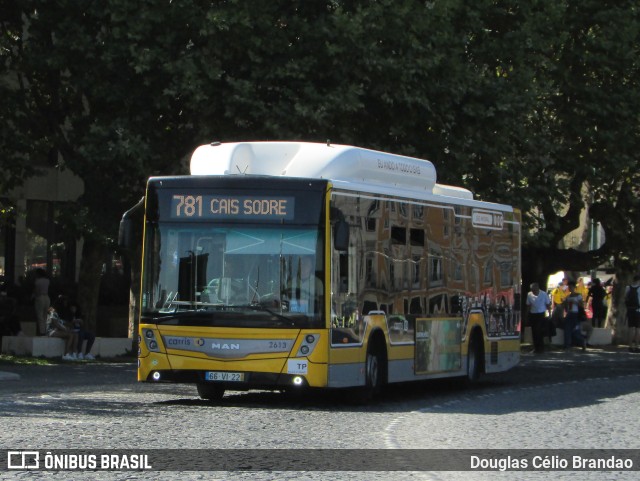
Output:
x,y
210,392
373,374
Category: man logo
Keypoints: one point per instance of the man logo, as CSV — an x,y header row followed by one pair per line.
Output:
x,y
200,342
225,346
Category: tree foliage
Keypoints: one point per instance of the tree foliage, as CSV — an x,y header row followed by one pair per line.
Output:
x,y
534,103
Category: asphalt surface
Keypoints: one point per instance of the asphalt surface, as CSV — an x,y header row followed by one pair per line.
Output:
x,y
556,400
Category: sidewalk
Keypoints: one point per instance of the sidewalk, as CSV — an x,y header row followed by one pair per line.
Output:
x,y
23,369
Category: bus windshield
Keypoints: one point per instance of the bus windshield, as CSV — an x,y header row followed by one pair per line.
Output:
x,y
212,274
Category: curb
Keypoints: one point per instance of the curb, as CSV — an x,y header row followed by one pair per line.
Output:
x,y
9,376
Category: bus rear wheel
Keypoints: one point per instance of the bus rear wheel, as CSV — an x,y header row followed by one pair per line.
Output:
x,y
474,359
210,392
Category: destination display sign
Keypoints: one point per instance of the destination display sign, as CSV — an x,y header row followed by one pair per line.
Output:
x,y
487,219
185,206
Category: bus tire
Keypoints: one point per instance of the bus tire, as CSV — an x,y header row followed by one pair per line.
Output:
x,y
210,392
373,367
374,370
475,356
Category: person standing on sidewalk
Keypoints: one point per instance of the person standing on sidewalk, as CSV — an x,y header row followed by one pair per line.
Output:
x,y
558,295
573,303
539,303
41,301
596,299
632,303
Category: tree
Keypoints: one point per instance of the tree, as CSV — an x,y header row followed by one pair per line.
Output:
x,y
534,104
547,121
82,97
591,118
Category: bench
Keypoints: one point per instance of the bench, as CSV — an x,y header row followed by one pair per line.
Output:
x,y
44,346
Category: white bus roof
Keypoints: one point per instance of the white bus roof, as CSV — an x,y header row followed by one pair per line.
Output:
x,y
349,168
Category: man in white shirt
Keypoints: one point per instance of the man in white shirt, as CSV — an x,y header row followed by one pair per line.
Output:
x,y
538,303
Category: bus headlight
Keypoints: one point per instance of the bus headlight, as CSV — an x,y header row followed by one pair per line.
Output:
x,y
308,344
298,381
156,375
150,340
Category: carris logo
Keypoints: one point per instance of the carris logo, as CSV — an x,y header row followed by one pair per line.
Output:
x,y
225,346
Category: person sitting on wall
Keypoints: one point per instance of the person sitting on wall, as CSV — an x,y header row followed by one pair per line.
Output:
x,y
57,327
68,311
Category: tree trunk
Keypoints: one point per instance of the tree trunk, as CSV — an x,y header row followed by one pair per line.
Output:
x,y
133,256
134,298
617,313
93,256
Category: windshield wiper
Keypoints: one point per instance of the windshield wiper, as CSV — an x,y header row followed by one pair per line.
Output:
x,y
213,315
179,315
260,308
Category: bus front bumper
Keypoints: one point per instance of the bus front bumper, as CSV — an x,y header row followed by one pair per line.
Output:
x,y
237,381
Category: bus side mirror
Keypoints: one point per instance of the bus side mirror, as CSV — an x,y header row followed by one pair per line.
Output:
x,y
130,225
125,234
341,235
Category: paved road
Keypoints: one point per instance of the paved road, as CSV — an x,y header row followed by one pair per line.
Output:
x,y
556,400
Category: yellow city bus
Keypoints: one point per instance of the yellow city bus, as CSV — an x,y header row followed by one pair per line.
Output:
x,y
293,265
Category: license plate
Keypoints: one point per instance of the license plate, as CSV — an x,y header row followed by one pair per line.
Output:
x,y
224,376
